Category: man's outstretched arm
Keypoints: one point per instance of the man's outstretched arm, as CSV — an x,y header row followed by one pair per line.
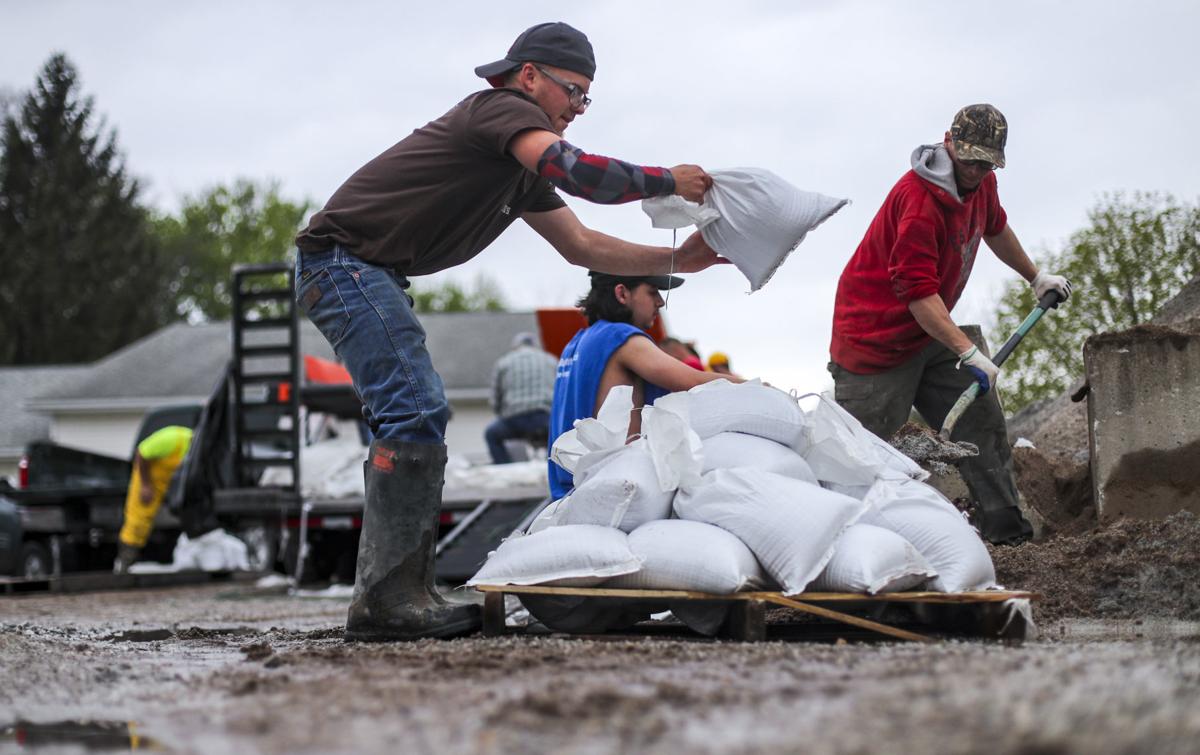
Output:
x,y
598,251
1007,248
644,359
601,179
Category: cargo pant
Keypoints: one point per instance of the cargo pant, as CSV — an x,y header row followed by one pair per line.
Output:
x,y
931,383
139,517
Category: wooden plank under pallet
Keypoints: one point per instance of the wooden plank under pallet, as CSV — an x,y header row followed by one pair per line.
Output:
x,y
747,616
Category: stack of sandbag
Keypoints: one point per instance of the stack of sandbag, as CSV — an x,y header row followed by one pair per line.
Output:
x,y
736,487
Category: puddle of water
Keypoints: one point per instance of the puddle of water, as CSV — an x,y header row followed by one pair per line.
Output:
x,y
1150,628
94,736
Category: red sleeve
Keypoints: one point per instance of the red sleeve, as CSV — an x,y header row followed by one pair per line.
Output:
x,y
997,218
913,260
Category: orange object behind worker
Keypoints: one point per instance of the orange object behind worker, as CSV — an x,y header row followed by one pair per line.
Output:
x,y
318,370
558,325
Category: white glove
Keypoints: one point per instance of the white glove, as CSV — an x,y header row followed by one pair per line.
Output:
x,y
1043,283
981,367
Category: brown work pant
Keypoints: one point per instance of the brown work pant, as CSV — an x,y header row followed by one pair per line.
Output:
x,y
931,383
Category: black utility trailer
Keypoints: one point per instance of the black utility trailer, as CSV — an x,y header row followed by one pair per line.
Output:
x,y
68,515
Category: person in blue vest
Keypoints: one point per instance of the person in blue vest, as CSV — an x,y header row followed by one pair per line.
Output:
x,y
616,349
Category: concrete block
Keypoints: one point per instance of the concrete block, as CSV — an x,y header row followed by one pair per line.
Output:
x,y
1144,421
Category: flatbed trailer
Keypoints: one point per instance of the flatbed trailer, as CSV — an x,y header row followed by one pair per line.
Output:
x,y
67,517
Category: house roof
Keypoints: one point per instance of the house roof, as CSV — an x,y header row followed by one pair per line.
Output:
x,y
181,362
18,426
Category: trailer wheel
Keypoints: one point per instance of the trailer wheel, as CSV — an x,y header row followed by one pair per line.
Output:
x,y
35,560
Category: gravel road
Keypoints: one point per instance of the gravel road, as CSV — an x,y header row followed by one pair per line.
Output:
x,y
236,668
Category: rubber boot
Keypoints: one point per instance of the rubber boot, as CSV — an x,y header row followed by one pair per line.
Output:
x,y
394,595
127,555
1003,526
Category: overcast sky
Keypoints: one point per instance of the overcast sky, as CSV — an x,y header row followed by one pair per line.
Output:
x,y
833,96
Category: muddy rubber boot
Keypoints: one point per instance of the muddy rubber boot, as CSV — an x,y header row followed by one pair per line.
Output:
x,y
1003,526
394,595
127,555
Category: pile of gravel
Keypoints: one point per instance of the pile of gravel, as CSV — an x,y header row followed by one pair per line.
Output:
x,y
1129,569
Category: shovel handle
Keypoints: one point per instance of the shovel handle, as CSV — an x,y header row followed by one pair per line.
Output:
x,y
1050,300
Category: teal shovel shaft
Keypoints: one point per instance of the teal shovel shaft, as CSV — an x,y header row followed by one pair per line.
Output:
x,y
1050,301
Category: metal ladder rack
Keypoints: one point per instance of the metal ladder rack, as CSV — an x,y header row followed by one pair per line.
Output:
x,y
266,374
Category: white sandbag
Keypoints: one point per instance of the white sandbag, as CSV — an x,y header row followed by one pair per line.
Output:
x,y
215,550
840,450
789,525
762,218
622,491
871,559
581,555
547,517
681,555
608,430
923,517
733,450
750,407
674,447
857,492
673,211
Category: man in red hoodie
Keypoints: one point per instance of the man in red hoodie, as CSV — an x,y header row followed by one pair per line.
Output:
x,y
894,344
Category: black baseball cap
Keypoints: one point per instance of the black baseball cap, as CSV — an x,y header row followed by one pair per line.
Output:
x,y
661,282
553,43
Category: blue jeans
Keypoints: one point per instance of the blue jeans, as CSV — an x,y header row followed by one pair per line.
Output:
x,y
365,314
534,424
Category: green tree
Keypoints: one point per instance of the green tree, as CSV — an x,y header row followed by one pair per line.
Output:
x,y
82,274
450,296
245,223
1136,254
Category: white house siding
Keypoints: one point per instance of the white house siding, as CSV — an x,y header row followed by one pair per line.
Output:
x,y
107,433
8,468
113,434
464,434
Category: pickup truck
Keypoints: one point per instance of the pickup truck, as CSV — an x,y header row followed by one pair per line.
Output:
x,y
66,509
242,473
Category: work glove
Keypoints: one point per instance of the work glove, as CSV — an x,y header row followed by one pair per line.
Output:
x,y
1042,284
981,368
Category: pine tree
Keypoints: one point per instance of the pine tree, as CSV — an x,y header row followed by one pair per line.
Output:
x,y
82,275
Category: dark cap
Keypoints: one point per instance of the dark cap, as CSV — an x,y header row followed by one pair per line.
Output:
x,y
553,43
661,282
979,133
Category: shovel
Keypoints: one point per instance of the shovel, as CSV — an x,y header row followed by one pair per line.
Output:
x,y
1051,300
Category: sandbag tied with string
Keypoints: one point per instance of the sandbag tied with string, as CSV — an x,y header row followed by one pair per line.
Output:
x,y
750,216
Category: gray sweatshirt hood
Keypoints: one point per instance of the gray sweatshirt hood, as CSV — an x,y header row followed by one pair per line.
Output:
x,y
932,162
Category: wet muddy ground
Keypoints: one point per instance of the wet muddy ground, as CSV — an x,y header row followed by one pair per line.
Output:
x,y
235,668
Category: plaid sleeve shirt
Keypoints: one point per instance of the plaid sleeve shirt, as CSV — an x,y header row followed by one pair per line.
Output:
x,y
523,382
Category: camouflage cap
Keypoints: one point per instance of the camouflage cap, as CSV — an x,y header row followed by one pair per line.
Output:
x,y
979,133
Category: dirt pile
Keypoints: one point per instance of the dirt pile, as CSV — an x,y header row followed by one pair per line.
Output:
x,y
1056,427
1130,569
922,444
1059,494
1183,310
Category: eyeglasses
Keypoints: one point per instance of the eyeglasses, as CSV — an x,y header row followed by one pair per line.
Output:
x,y
576,96
978,164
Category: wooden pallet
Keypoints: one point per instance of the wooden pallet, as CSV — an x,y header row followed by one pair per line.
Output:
x,y
747,617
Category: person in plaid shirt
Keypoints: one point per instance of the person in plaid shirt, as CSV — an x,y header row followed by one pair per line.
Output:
x,y
522,391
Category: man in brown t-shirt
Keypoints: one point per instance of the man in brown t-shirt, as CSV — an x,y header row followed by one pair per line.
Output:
x,y
435,200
